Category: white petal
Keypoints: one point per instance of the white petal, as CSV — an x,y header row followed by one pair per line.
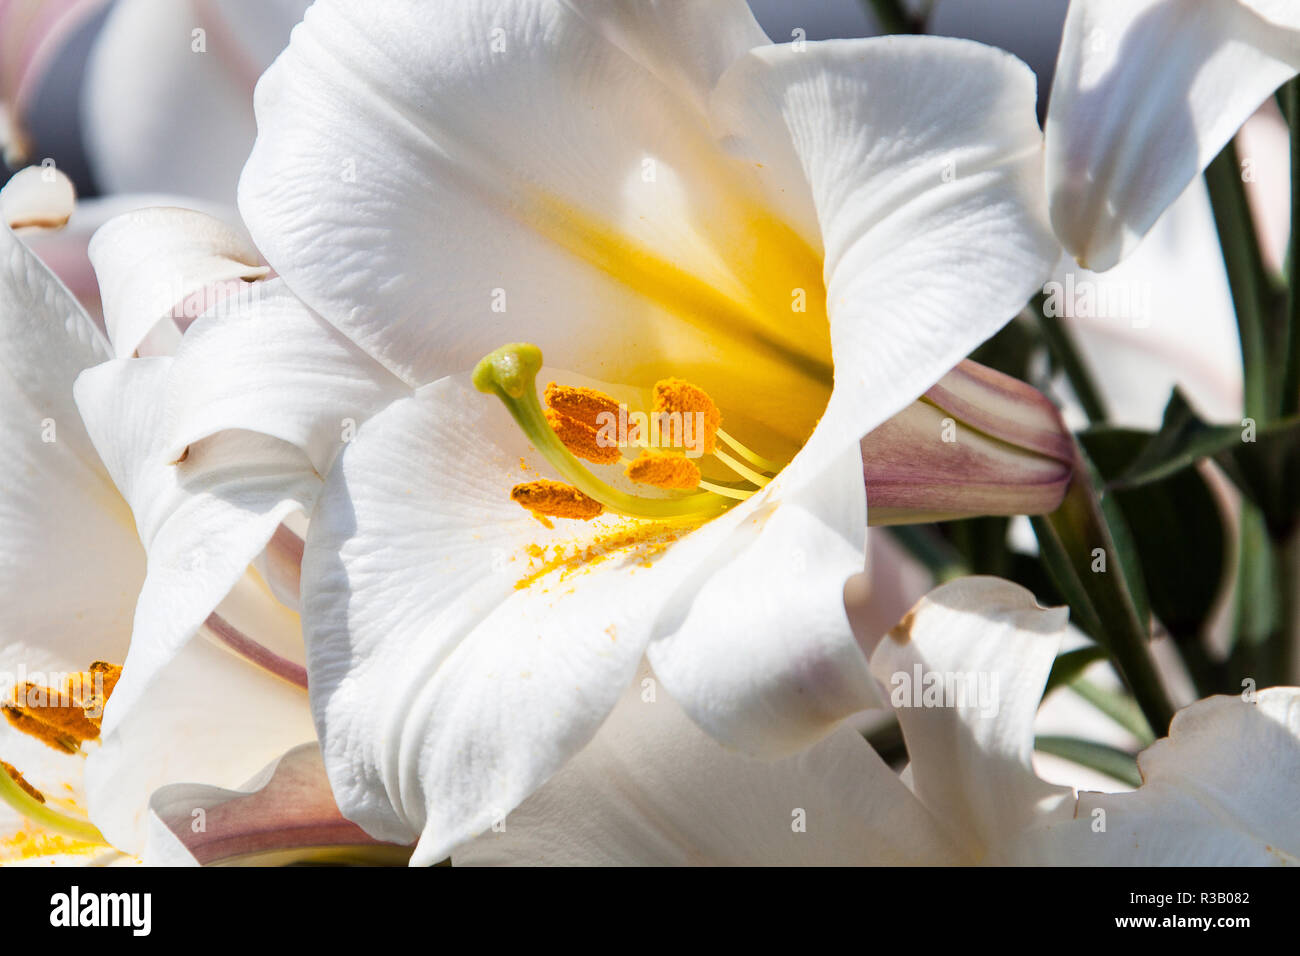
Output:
x,y
202,521
272,366
459,653
761,653
210,717
65,250
452,668
653,790
988,647
151,260
1218,791
1281,13
70,566
923,157
1146,93
532,171
1161,318
38,198
161,114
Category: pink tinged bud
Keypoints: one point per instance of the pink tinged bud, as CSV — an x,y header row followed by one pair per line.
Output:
x,y
978,443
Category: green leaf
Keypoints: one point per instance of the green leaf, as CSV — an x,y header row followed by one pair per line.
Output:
x,y
1178,528
1263,462
1071,664
1088,552
1183,439
1113,762
1118,706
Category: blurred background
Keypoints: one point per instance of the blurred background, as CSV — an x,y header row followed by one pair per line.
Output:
x,y
113,93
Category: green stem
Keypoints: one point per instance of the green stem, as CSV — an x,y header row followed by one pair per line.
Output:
x,y
1071,664
894,19
1114,763
1067,355
1258,613
1287,555
1290,389
1073,540
1117,707
929,548
44,815
1246,277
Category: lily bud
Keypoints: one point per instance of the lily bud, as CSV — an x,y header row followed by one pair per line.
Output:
x,y
977,443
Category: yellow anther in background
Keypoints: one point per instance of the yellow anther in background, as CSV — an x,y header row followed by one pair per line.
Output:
x,y
582,439
675,395
584,404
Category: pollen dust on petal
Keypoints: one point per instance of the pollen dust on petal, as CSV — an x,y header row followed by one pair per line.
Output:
x,y
30,844
637,544
19,779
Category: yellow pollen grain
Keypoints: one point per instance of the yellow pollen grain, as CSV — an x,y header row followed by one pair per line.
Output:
x,y
664,470
65,716
581,439
555,499
25,845
18,779
675,395
636,543
584,404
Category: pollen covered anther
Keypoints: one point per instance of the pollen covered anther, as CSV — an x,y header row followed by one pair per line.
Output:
x,y
581,439
555,499
63,717
664,470
584,404
22,782
676,396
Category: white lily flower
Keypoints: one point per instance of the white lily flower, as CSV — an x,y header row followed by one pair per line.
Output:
x,y
651,789
812,233
1146,93
167,102
1218,791
1162,318
74,566
32,34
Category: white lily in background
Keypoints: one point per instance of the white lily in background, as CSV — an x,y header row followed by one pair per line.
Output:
x,y
1163,317
646,192
32,35
652,789
1218,791
167,96
166,99
1146,93
214,710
